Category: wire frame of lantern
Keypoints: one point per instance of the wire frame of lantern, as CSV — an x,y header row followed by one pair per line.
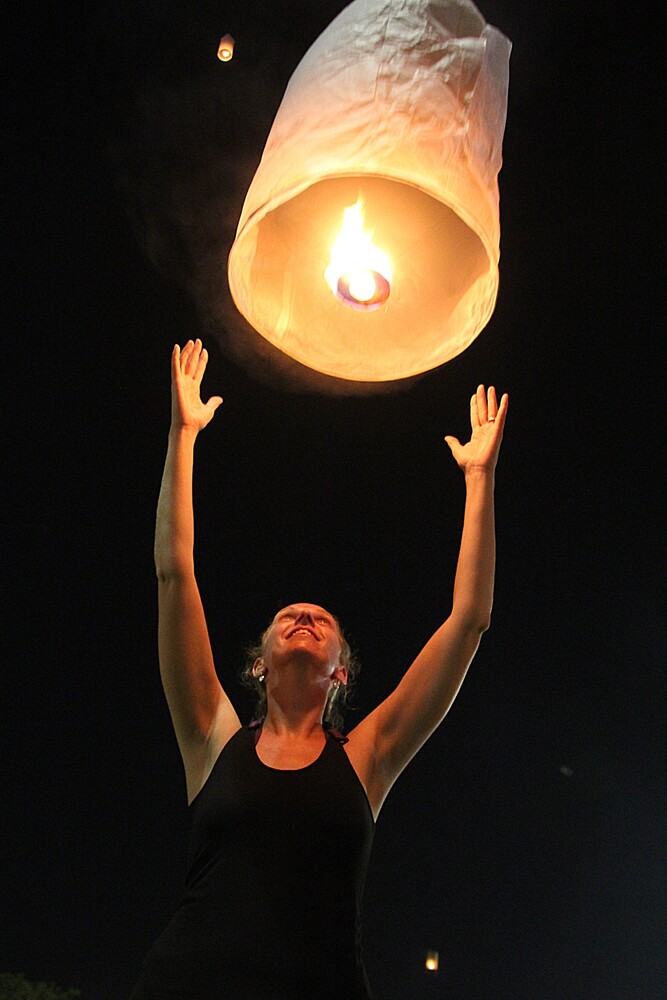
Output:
x,y
397,112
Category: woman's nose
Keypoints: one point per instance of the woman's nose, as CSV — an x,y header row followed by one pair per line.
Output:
x,y
304,616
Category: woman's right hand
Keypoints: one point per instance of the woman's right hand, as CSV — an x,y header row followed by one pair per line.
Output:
x,y
187,370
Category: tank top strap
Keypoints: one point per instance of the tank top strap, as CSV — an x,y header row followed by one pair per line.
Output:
x,y
338,736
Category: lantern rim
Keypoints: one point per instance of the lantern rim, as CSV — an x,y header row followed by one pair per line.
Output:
x,y
470,219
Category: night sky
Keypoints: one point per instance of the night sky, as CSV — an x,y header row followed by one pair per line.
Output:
x,y
525,841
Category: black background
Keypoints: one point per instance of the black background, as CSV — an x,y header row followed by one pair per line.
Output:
x,y
525,841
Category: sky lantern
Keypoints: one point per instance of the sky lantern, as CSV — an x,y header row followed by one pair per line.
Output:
x,y
225,48
368,243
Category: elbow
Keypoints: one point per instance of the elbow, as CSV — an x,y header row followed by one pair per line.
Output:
x,y
483,618
484,624
172,568
172,554
475,622
480,624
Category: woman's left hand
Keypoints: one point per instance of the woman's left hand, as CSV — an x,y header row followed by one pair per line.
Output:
x,y
487,421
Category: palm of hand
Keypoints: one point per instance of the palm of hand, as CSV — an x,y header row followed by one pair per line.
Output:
x,y
480,447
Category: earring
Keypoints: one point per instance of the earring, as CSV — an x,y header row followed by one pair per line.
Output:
x,y
261,678
336,685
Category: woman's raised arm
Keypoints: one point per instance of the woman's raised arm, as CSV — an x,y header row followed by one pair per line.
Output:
x,y
391,735
201,712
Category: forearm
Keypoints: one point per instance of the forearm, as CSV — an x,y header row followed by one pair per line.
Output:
x,y
174,527
475,571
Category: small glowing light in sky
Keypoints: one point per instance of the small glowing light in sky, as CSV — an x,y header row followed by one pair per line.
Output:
x,y
432,961
359,273
225,48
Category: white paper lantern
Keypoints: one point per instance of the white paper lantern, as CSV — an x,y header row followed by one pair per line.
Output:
x,y
396,112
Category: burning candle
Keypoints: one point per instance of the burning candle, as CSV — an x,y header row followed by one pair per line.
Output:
x,y
359,273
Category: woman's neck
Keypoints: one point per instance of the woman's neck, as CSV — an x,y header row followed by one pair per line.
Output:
x,y
293,724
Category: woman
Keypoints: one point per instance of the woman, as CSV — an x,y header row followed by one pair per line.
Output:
x,y
283,812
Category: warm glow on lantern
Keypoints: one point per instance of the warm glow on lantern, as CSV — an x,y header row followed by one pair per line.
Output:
x,y
369,241
359,273
226,48
432,961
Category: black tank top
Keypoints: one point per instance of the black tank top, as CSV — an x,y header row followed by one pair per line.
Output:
x,y
276,868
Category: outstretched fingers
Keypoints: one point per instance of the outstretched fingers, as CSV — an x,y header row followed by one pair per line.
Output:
x,y
190,360
474,415
501,412
202,361
491,404
175,361
482,408
184,356
193,358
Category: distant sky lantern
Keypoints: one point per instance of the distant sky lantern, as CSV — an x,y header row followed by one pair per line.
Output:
x,y
391,127
225,48
432,961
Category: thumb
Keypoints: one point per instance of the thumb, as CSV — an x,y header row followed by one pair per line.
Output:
x,y
214,402
453,443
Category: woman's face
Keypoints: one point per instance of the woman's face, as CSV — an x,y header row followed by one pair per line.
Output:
x,y
305,630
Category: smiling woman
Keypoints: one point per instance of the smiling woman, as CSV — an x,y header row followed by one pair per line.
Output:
x,y
340,695
283,811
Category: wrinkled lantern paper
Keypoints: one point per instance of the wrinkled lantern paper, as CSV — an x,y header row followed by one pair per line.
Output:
x,y
396,112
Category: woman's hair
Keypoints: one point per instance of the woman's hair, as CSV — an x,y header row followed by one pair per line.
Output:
x,y
339,698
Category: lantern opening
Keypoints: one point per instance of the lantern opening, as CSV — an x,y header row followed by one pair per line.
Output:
x,y
359,273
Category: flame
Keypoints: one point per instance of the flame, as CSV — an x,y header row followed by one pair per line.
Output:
x,y
359,272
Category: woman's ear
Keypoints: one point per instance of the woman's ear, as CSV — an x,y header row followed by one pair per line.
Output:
x,y
340,674
258,667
